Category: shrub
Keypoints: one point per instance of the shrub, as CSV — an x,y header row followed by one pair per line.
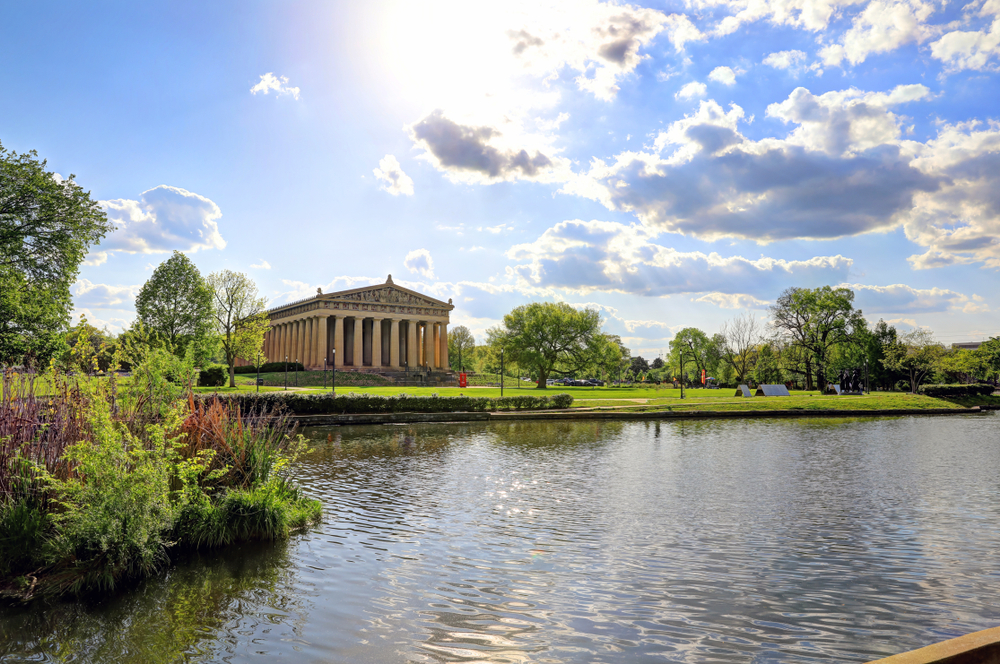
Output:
x,y
213,376
325,404
956,390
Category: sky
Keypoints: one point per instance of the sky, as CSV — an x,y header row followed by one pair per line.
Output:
x,y
670,164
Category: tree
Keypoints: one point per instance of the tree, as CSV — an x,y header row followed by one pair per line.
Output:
x,y
47,225
916,353
741,338
176,302
544,335
817,319
461,347
239,318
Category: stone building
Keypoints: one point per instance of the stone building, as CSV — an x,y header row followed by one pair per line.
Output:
x,y
383,329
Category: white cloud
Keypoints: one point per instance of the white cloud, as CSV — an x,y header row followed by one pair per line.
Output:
x,y
883,26
394,180
263,265
164,219
903,299
278,84
691,90
842,170
419,261
586,256
103,296
732,301
724,75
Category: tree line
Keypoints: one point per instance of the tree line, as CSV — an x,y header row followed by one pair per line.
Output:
x,y
808,338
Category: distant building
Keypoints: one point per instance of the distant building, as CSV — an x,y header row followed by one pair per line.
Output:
x,y
968,345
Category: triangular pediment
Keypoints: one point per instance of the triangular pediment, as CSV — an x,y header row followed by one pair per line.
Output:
x,y
387,293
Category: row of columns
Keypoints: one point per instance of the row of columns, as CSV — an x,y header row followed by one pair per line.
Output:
x,y
313,339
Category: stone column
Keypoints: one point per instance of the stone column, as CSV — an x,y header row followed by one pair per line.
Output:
x,y
429,345
307,325
359,342
412,353
394,344
322,352
445,364
376,343
338,342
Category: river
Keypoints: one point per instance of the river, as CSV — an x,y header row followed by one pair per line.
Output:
x,y
686,541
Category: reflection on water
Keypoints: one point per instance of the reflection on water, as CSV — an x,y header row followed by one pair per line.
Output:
x,y
698,541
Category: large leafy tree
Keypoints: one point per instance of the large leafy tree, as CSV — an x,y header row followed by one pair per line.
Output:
x,y
239,317
816,320
47,225
176,302
547,335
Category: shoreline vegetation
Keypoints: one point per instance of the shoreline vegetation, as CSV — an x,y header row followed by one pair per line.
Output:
x,y
102,479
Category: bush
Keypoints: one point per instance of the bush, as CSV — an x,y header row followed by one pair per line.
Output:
x,y
213,376
956,390
324,404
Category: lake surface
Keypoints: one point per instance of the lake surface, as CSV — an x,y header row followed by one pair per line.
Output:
x,y
708,541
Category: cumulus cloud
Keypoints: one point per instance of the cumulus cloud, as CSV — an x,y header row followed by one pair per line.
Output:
x,y
476,153
263,265
691,90
585,256
972,49
164,219
103,296
724,75
903,299
419,261
277,84
883,26
394,180
732,301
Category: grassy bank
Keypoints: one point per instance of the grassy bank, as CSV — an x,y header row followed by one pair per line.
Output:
x,y
101,479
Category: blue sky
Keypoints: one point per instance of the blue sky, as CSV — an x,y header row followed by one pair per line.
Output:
x,y
674,164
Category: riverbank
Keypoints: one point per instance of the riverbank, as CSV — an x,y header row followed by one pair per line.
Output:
x,y
619,415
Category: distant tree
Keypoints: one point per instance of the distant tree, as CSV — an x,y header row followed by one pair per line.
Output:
x,y
461,346
239,317
544,335
638,365
47,226
817,319
176,302
916,353
741,338
989,354
657,363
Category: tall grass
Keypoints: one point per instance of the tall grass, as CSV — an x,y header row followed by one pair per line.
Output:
x,y
98,480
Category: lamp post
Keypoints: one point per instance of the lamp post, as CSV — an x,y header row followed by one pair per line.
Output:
x,y
501,373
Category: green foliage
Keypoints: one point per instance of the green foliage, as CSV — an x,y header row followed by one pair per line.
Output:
x,y
963,390
547,335
817,320
238,316
325,404
270,367
176,302
47,225
213,376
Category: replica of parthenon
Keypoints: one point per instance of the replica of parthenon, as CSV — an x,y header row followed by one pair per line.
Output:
x,y
384,328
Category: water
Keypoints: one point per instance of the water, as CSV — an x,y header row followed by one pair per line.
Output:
x,y
724,541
